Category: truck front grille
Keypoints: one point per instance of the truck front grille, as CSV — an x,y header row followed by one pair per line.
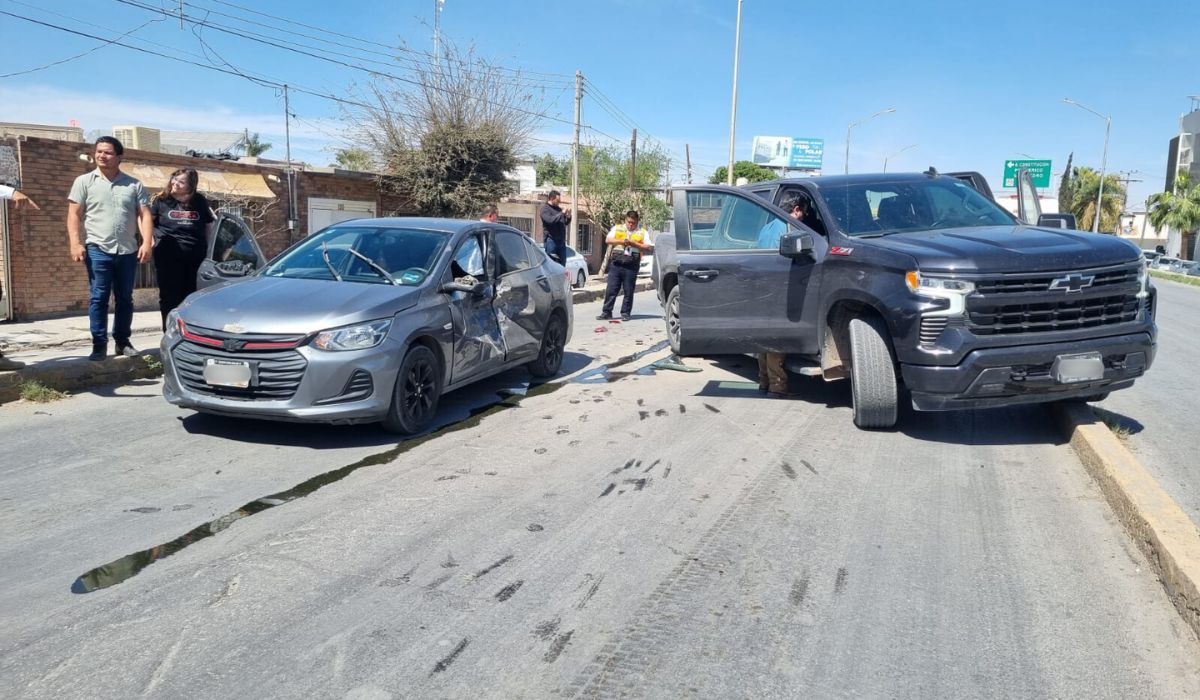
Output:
x,y
1054,301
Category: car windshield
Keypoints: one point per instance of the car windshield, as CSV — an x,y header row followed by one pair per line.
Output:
x,y
882,208
365,254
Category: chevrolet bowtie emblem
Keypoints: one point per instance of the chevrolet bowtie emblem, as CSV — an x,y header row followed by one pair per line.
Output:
x,y
1072,283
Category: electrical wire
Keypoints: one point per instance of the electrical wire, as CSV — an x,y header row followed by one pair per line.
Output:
x,y
78,55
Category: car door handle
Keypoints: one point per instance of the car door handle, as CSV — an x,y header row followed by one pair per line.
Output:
x,y
702,274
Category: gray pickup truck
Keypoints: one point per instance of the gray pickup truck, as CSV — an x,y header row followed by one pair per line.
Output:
x,y
914,282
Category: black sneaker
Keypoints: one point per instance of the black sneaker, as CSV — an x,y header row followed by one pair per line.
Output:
x,y
604,317
97,353
624,317
126,350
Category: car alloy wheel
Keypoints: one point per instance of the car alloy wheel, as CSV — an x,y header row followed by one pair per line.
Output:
x,y
415,398
672,319
550,357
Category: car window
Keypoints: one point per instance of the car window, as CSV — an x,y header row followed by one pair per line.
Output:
x,y
537,256
723,221
468,259
571,252
511,253
232,242
363,254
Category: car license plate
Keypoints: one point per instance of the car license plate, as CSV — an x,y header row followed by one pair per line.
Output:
x,y
1072,369
230,373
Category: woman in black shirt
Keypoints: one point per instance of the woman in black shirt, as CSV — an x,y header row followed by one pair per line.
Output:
x,y
183,226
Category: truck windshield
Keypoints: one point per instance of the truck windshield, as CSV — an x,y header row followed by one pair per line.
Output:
x,y
881,208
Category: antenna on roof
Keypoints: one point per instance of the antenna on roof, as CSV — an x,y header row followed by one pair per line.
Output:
x,y
932,172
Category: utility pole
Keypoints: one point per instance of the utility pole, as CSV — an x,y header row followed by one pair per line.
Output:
x,y
181,14
687,152
633,161
1125,200
575,161
291,173
737,50
437,31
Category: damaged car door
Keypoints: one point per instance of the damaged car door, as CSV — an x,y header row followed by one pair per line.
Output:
x,y
233,253
478,345
524,296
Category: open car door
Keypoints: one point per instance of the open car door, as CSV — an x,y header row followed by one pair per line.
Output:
x,y
233,253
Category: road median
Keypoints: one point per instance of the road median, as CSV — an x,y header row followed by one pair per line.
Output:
x,y
1159,527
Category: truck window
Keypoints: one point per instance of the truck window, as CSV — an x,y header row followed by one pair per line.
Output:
x,y
720,221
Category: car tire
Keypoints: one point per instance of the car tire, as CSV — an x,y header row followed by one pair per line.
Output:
x,y
873,385
550,355
580,279
671,318
415,397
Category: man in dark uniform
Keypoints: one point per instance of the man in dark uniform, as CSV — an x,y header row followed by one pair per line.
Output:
x,y
554,227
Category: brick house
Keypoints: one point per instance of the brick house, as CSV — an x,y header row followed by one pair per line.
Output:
x,y
39,278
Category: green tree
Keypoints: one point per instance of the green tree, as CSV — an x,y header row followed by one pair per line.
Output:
x,y
1066,188
255,146
353,158
552,170
1085,183
1179,209
743,168
447,132
604,185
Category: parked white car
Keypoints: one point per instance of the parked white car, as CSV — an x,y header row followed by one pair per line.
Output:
x,y
577,267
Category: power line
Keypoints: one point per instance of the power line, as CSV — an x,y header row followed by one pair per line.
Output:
x,y
78,55
381,74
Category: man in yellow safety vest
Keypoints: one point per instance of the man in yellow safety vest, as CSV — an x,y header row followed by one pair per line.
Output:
x,y
628,241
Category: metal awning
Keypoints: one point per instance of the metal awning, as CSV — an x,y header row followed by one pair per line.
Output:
x,y
215,183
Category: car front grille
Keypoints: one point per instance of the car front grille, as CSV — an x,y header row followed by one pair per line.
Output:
x,y
1059,301
278,368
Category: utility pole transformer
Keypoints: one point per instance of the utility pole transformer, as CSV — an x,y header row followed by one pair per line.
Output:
x,y
575,162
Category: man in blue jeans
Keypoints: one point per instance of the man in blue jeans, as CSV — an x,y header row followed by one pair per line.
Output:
x,y
110,208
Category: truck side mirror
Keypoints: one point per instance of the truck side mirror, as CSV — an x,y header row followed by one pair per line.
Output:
x,y
1066,221
795,245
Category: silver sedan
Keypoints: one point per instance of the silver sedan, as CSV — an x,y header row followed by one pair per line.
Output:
x,y
370,320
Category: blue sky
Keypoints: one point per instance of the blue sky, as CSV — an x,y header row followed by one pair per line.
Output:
x,y
972,83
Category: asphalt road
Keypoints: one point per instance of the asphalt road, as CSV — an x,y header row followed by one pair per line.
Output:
x,y
1162,410
639,533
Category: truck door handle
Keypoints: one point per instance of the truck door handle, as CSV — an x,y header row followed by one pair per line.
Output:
x,y
702,274
207,275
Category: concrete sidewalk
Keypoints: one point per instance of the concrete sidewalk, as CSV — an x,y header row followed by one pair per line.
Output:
x,y
55,350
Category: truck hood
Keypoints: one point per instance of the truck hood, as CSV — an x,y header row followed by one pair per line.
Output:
x,y
280,305
1008,249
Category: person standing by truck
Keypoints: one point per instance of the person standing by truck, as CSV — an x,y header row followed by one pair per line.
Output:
x,y
628,241
772,377
554,228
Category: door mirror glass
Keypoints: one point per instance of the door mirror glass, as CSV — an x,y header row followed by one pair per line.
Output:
x,y
794,245
234,268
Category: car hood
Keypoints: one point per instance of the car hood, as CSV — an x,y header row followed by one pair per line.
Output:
x,y
282,305
1008,249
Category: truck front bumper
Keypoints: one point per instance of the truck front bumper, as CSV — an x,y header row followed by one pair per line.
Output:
x,y
991,377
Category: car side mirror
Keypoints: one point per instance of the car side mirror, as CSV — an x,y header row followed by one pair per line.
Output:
x,y
795,245
477,289
234,268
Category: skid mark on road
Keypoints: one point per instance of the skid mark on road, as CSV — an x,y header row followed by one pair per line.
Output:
x,y
788,470
509,591
557,646
445,663
839,583
594,586
493,567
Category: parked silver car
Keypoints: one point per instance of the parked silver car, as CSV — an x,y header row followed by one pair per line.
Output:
x,y
370,320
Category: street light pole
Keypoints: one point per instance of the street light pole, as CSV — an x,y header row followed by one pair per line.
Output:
x,y
854,124
737,50
1103,159
887,158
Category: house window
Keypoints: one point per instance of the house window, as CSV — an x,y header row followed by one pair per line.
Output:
x,y
520,223
584,242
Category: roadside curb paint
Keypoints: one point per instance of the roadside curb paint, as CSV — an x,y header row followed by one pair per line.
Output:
x,y
80,374
1158,526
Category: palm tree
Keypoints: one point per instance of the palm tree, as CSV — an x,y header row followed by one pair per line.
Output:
x,y
1084,185
255,146
1179,210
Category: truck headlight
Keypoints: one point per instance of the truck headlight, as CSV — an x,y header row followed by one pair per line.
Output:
x,y
357,337
955,290
1144,280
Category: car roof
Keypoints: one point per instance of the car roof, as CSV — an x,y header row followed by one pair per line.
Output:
x,y
418,222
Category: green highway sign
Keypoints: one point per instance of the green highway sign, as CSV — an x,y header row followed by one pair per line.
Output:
x,y
1039,170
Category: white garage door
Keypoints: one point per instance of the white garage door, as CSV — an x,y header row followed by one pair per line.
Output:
x,y
323,212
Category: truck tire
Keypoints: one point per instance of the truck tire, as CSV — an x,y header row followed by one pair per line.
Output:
x,y
671,317
872,374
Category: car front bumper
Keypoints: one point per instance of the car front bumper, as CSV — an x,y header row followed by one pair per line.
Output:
x,y
992,377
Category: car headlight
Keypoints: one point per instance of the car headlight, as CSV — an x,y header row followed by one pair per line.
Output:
x,y
172,324
955,290
357,337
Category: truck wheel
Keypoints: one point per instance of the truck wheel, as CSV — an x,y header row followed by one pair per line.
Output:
x,y
415,398
872,375
671,316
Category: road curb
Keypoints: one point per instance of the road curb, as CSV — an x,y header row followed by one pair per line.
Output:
x,y
77,373
1159,527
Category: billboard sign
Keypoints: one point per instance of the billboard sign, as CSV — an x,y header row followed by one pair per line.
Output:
x,y
1039,171
788,152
